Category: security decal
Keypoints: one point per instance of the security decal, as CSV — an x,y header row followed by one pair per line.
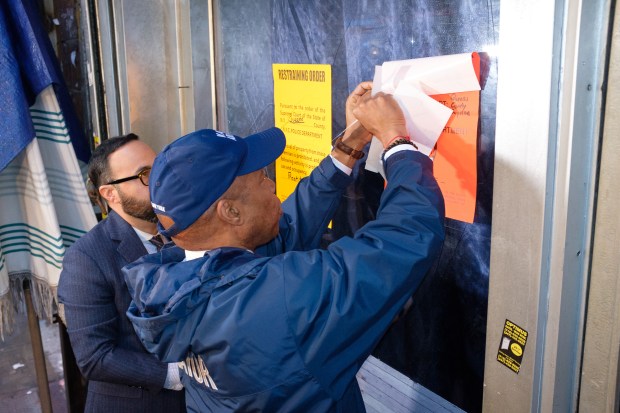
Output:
x,y
512,346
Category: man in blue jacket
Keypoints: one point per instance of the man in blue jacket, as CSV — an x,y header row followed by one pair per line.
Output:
x,y
285,333
123,376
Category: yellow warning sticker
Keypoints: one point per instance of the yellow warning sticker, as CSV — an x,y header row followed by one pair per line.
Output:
x,y
512,346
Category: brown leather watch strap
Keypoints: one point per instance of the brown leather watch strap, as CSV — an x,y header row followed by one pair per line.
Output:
x,y
353,153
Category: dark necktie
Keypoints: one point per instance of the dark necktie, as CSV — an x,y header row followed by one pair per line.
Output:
x,y
158,241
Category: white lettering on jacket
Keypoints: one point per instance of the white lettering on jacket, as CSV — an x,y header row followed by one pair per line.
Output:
x,y
225,135
196,369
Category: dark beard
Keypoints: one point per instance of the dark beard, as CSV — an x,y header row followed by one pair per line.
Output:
x,y
138,209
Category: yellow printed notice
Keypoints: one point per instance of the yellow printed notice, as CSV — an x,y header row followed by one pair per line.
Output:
x,y
302,97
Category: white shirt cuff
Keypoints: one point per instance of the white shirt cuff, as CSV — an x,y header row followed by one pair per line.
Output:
x,y
398,148
341,166
173,379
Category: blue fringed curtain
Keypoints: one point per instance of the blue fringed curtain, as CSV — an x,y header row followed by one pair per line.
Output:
x,y
44,207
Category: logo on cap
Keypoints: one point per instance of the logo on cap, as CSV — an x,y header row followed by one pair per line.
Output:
x,y
158,207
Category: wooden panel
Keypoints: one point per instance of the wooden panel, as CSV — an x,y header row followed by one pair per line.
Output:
x,y
385,390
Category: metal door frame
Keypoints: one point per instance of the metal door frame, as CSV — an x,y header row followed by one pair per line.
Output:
x,y
549,110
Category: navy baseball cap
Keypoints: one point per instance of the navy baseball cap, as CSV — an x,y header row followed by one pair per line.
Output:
x,y
192,172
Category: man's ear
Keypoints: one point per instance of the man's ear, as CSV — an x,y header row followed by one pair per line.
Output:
x,y
165,221
228,212
109,193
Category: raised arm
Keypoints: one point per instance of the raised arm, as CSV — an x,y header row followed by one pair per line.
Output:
x,y
308,210
341,301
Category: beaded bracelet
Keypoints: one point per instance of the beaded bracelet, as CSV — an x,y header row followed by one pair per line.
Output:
x,y
353,153
398,137
399,140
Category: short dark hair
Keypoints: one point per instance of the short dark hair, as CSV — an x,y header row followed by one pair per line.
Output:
x,y
99,168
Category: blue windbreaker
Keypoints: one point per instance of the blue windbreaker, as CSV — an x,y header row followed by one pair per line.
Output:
x,y
288,333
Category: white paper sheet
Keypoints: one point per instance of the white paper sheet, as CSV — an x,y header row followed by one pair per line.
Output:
x,y
434,75
411,82
425,116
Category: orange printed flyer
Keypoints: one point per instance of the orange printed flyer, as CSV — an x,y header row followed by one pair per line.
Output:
x,y
455,165
447,131
302,97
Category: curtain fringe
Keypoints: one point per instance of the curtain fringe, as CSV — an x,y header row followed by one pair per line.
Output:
x,y
43,296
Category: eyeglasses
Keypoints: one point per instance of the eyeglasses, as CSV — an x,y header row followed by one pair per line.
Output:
x,y
143,176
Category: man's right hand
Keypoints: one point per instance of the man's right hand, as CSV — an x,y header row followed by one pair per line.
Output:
x,y
381,115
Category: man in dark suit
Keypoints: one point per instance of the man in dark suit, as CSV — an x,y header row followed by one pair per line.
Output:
x,y
123,376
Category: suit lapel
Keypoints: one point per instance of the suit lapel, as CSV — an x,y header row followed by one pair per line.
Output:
x,y
129,245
